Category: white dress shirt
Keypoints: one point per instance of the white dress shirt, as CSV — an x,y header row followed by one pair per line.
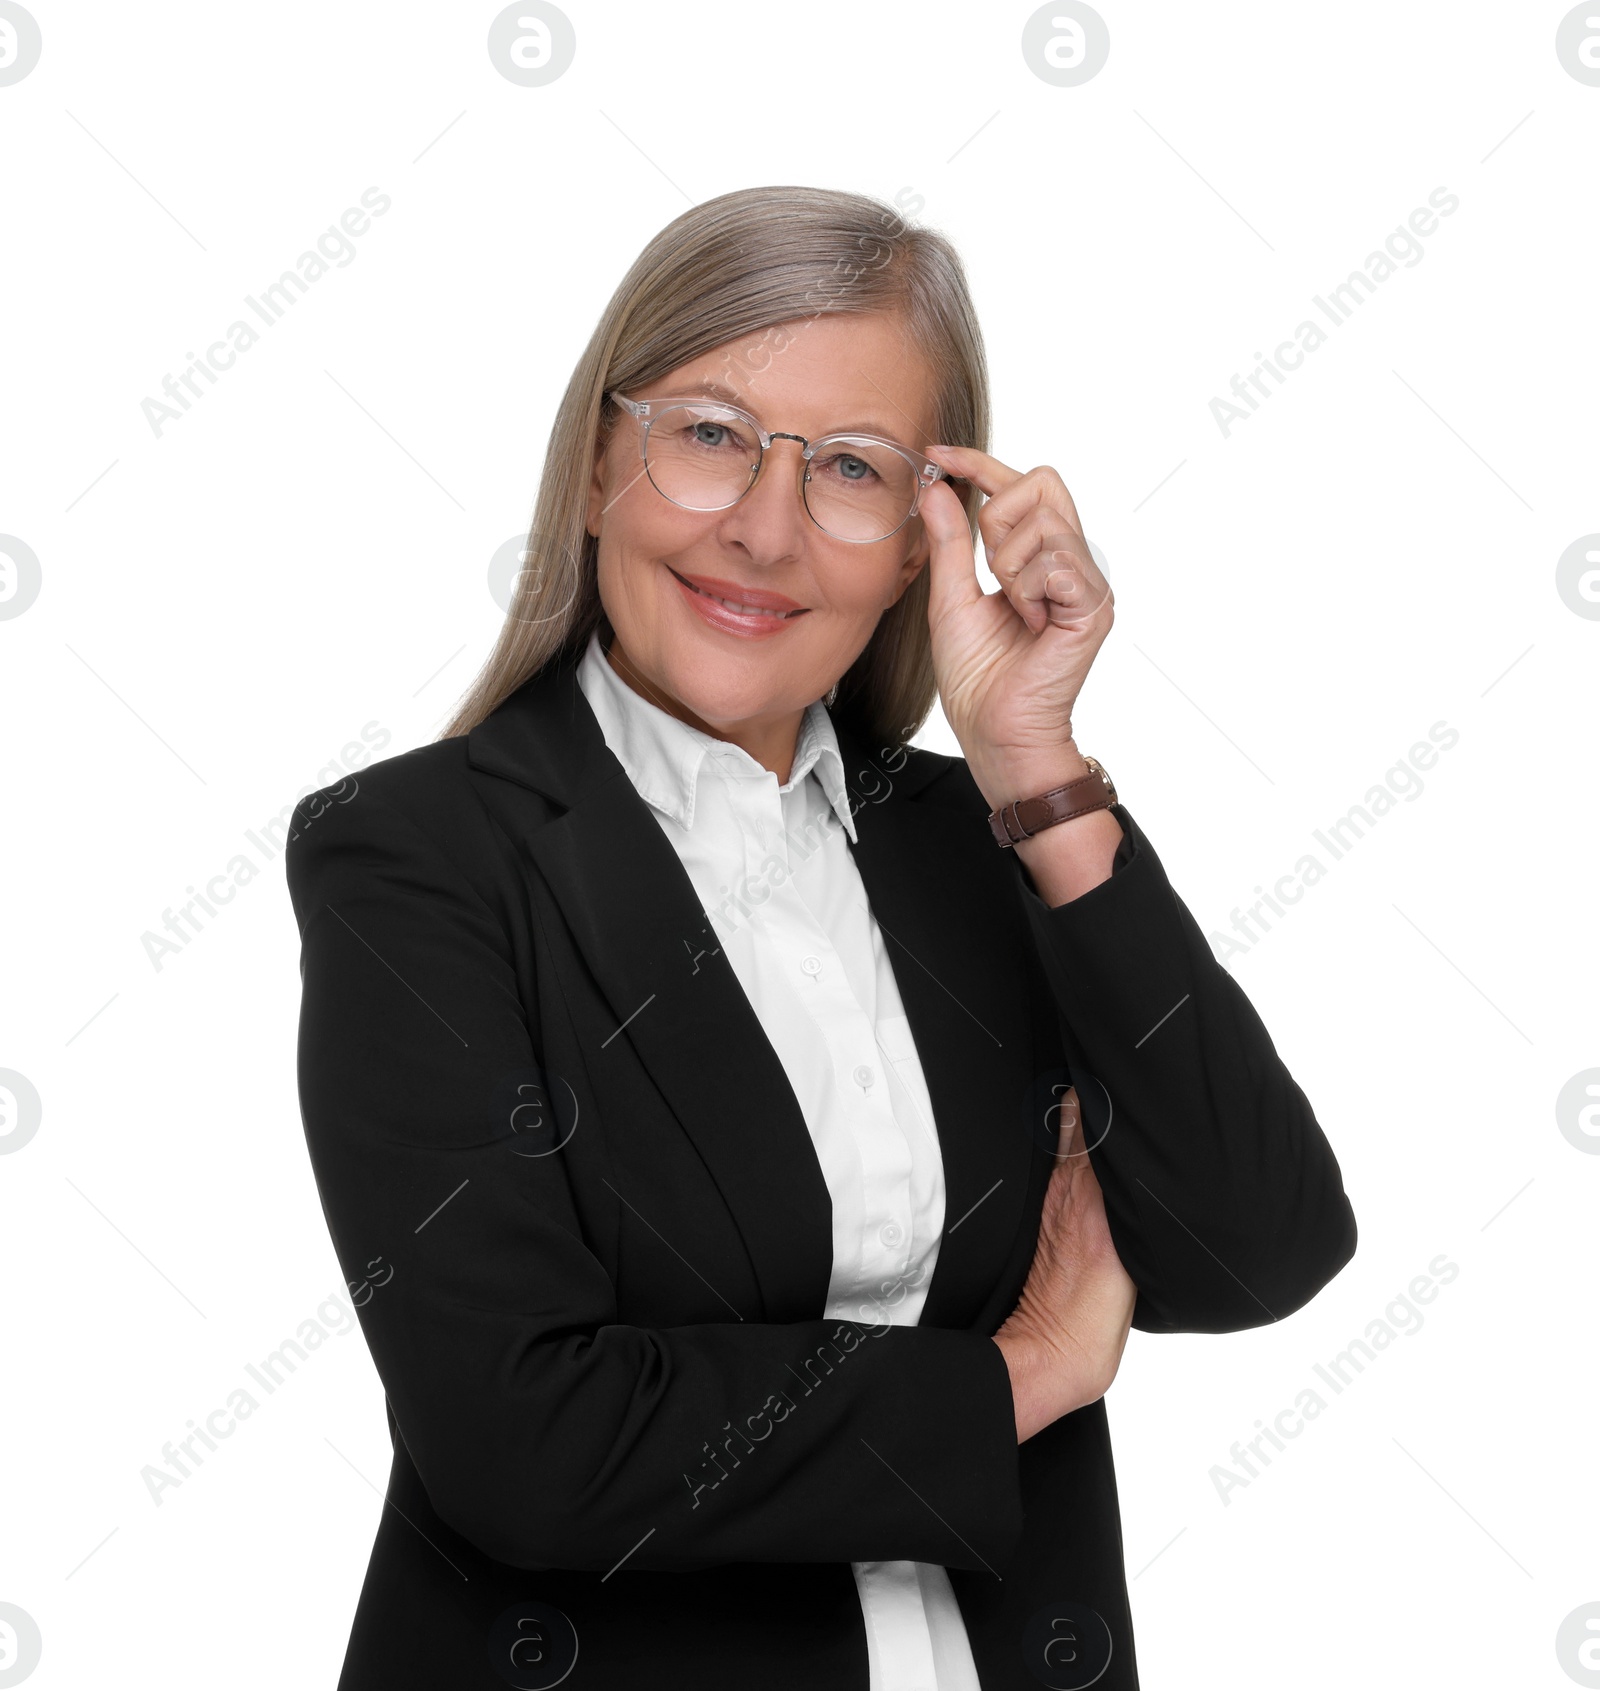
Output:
x,y
785,903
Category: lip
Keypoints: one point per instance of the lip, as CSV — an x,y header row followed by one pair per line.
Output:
x,y
736,590
763,619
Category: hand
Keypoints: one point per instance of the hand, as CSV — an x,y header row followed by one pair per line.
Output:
x,y
1064,1341
1010,664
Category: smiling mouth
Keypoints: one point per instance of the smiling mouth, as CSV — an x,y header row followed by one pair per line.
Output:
x,y
735,605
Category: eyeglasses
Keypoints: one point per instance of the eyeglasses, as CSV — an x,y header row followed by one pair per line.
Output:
x,y
705,455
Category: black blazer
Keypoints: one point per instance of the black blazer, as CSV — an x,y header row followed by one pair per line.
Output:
x,y
577,1203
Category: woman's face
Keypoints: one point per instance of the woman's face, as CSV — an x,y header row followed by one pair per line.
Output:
x,y
837,374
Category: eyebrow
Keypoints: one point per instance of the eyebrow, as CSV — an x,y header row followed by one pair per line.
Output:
x,y
715,390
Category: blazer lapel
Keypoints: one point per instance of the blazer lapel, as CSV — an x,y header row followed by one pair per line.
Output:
x,y
674,997
637,920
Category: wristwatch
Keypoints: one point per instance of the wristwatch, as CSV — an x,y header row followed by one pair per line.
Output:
x,y
1023,818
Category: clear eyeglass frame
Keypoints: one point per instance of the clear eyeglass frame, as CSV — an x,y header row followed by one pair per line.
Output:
x,y
648,410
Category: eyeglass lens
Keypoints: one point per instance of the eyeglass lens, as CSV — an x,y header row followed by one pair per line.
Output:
x,y
704,458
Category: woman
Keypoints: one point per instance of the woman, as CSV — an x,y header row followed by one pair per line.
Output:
x,y
772,1129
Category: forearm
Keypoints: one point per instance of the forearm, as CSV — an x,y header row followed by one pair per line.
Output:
x,y
1223,1194
726,1442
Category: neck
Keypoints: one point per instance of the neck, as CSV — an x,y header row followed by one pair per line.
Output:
x,y
770,740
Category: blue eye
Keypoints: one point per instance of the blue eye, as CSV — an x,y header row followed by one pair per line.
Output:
x,y
850,468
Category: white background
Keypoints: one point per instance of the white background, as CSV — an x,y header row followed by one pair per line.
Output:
x,y
225,606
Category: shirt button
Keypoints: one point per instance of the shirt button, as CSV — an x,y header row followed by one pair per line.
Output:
x,y
890,1233
862,1075
811,966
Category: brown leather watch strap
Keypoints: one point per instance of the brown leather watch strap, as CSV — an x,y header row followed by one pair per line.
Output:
x,y
1023,818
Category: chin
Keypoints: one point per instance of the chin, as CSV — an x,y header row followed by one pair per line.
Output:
x,y
725,680
726,699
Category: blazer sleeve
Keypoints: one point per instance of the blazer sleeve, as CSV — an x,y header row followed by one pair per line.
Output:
x,y
546,1431
1222,1193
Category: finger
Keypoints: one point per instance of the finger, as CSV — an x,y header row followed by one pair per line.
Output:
x,y
992,478
1060,584
1069,1126
1035,547
987,473
1040,489
1059,597
1011,493
1042,527
952,569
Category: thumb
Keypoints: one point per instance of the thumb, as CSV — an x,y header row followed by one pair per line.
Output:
x,y
952,569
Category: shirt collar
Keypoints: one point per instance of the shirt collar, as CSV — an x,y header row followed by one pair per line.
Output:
x,y
664,757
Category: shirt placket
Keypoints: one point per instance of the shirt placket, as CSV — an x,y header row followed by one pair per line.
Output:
x,y
883,1243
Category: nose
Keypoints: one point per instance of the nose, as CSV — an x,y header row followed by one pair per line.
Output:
x,y
771,520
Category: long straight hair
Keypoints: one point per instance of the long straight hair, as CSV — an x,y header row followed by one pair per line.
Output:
x,y
747,266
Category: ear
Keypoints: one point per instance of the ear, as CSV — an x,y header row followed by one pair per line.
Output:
x,y
596,502
917,553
